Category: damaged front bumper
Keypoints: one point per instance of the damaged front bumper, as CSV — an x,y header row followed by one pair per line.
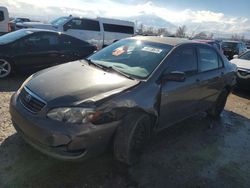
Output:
x,y
60,140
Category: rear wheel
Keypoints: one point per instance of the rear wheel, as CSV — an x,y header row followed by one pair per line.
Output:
x,y
131,138
219,105
5,68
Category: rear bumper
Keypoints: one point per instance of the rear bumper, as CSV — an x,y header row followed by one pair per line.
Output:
x,y
75,142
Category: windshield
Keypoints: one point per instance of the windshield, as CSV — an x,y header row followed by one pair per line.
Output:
x,y
59,21
135,58
10,37
232,45
245,56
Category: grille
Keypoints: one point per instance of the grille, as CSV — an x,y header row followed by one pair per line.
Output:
x,y
30,101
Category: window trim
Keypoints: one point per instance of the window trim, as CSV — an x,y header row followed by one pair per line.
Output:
x,y
199,59
3,16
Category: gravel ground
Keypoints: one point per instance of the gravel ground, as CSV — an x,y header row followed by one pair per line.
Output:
x,y
198,152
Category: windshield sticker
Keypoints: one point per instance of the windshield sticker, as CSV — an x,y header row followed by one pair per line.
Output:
x,y
151,49
119,51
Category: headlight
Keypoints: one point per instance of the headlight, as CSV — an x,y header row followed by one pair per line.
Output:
x,y
73,115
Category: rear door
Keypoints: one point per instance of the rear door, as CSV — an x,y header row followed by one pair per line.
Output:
x,y
37,51
211,71
180,99
86,30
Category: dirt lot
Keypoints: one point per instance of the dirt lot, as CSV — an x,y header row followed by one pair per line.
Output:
x,y
196,153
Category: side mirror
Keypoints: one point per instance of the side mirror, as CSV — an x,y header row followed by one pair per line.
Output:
x,y
175,76
235,56
66,27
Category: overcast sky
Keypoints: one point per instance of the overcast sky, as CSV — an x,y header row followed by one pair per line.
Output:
x,y
223,15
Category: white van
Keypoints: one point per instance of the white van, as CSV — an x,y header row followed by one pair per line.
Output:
x,y
4,20
100,31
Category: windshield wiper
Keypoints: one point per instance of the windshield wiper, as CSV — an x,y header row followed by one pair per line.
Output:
x,y
108,68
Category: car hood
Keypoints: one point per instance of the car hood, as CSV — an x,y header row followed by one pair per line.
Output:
x,y
77,82
241,63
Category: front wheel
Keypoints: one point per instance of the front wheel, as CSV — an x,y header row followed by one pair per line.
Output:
x,y
131,138
219,104
5,68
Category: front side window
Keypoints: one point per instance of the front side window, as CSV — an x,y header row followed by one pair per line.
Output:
x,y
184,60
41,41
209,59
59,21
133,57
1,16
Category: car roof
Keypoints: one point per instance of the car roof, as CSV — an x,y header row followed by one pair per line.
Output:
x,y
173,41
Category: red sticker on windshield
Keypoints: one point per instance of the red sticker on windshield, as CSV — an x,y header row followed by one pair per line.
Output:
x,y
119,51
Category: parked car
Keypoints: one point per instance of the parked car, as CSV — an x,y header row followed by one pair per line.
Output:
x,y
119,96
213,43
4,20
243,72
100,31
13,23
33,49
231,48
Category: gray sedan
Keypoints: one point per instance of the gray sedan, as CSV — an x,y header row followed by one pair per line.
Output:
x,y
119,96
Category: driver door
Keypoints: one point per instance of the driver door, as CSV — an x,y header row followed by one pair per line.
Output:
x,y
37,51
180,99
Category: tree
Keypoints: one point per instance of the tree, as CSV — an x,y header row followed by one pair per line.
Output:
x,y
238,37
141,28
162,31
201,35
181,31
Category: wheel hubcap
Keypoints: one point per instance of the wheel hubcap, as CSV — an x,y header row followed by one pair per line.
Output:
x,y
5,68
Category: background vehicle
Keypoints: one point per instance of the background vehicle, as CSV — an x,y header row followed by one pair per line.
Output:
x,y
243,72
214,43
4,20
13,22
231,48
32,49
100,31
103,101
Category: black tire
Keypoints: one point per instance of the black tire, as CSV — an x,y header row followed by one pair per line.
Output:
x,y
5,68
219,105
131,138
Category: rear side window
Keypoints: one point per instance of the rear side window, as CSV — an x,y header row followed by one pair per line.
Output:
x,y
1,16
71,41
118,28
91,25
184,60
84,24
209,59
